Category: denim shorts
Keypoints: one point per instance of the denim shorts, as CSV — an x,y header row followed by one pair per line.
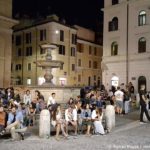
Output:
x,y
119,104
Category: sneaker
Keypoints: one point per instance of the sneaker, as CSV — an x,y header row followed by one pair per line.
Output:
x,y
2,132
142,122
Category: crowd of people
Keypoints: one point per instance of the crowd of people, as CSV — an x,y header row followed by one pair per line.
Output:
x,y
84,113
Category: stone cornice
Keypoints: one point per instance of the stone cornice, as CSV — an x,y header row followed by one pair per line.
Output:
x,y
8,21
117,59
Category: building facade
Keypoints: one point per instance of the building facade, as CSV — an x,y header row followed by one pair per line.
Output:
x,y
126,44
76,48
6,23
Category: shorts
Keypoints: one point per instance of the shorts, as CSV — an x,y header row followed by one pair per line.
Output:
x,y
119,104
89,122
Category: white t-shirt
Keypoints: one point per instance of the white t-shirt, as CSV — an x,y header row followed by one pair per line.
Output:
x,y
27,98
69,116
119,95
94,115
51,100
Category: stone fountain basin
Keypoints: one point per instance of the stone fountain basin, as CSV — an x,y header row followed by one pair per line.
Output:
x,y
50,63
47,46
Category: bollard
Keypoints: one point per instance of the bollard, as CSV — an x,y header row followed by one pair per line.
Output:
x,y
110,117
44,125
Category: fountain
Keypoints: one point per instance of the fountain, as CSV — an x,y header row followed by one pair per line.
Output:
x,y
48,64
63,93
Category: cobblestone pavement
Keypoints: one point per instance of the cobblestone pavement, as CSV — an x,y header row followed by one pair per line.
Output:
x,y
128,134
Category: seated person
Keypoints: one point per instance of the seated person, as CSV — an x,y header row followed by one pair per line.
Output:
x,y
71,117
15,124
97,116
2,120
57,121
86,118
31,113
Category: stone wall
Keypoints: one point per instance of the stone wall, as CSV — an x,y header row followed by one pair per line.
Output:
x,y
62,93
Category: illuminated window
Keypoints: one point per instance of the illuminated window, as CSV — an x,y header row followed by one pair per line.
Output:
x,y
28,81
142,18
114,49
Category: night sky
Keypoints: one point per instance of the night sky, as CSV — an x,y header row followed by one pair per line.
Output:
x,y
86,13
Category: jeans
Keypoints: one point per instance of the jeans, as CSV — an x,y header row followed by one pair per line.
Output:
x,y
144,110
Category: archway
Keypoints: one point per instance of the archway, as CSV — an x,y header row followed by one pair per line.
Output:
x,y
115,81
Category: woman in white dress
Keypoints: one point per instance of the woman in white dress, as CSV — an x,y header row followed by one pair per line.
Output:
x,y
97,116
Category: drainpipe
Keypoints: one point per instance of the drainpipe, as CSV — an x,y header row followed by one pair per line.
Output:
x,y
127,45
36,40
23,55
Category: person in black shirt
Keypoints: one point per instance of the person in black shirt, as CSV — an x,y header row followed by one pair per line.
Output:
x,y
143,104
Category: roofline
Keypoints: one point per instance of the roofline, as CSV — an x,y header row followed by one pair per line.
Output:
x,y
42,23
88,41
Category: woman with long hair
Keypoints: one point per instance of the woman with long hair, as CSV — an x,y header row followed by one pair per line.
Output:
x,y
57,121
97,116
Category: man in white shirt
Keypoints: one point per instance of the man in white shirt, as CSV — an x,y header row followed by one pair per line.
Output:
x,y
51,100
119,100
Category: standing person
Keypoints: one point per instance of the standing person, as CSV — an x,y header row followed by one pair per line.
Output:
x,y
126,101
131,91
143,103
51,100
119,100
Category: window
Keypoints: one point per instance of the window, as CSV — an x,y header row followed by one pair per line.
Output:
x,y
80,47
19,52
79,78
74,39
28,38
79,62
95,64
113,25
18,40
28,81
95,51
61,49
61,35
11,66
73,67
142,18
43,35
29,67
29,51
18,67
90,64
142,45
90,50
94,77
73,51
42,51
114,49
114,2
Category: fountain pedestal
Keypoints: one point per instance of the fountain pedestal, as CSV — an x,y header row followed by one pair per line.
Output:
x,y
48,63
